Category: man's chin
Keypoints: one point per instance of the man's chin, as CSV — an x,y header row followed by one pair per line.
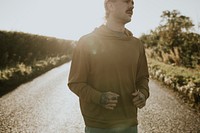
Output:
x,y
128,20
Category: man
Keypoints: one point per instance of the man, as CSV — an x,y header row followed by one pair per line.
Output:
x,y
109,73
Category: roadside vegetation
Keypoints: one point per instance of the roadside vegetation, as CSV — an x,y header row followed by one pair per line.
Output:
x,y
25,56
173,51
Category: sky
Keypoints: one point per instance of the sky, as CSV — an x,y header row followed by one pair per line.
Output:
x,y
71,19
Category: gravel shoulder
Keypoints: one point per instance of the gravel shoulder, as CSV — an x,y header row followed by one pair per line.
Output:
x,y
46,105
166,113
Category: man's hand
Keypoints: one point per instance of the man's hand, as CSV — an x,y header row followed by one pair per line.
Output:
x,y
139,99
109,100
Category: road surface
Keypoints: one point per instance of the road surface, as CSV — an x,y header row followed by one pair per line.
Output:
x,y
46,105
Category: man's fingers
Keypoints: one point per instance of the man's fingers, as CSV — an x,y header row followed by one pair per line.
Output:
x,y
135,93
137,98
112,94
112,101
109,100
110,106
141,105
137,101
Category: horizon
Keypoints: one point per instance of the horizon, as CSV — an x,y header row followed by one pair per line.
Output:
x,y
70,20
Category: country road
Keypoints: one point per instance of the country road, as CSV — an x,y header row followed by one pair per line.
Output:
x,y
46,105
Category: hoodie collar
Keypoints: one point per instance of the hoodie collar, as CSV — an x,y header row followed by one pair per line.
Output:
x,y
105,32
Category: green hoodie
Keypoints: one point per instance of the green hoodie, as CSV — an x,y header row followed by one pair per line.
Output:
x,y
105,61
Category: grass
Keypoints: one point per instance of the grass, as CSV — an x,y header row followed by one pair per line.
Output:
x,y
174,71
11,77
183,80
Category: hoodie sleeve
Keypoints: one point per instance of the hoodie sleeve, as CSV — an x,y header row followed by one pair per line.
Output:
x,y
142,78
78,76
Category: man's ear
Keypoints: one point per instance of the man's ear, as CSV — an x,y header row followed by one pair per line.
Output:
x,y
110,6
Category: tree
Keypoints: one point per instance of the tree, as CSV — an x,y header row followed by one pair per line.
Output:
x,y
175,41
174,24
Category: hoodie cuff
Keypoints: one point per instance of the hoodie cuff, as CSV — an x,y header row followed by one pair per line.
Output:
x,y
96,97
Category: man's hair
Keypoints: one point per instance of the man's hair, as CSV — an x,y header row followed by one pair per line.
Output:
x,y
106,7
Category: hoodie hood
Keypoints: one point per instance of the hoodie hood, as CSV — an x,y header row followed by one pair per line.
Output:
x,y
105,32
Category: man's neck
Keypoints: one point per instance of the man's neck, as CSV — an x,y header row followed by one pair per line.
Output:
x,y
114,26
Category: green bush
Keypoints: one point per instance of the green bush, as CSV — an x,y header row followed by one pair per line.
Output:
x,y
183,80
173,42
21,47
26,56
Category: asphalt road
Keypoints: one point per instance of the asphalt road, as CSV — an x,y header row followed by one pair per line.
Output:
x,y
46,105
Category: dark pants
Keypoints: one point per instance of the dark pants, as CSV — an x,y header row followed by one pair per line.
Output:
x,y
112,130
